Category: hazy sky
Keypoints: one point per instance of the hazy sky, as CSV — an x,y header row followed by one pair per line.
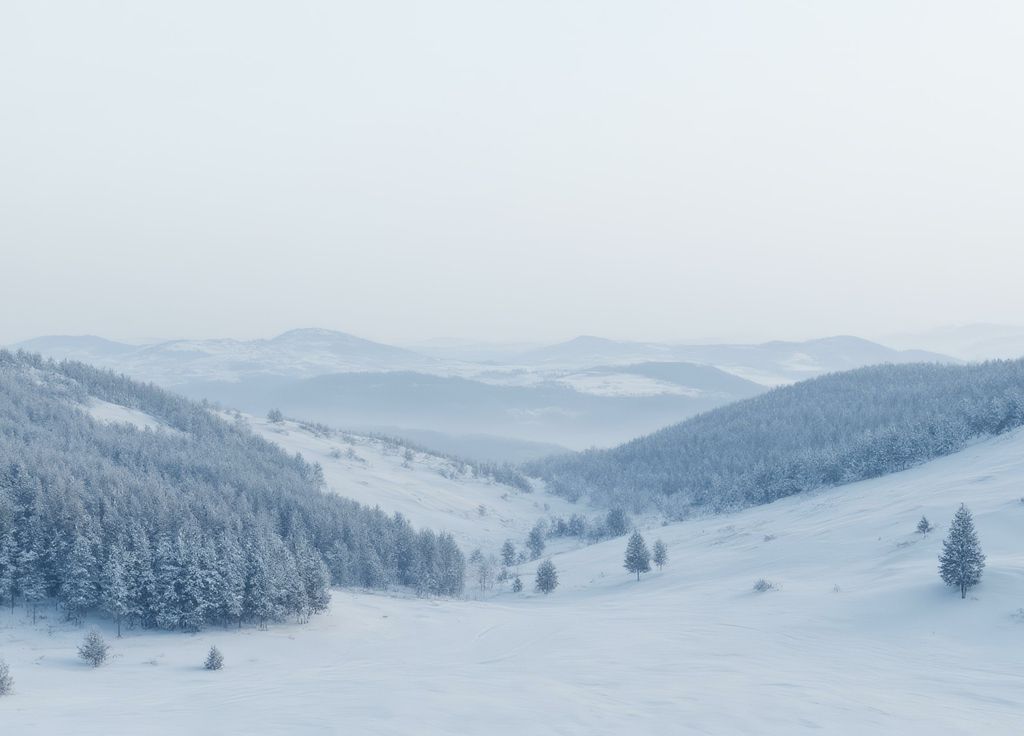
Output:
x,y
509,170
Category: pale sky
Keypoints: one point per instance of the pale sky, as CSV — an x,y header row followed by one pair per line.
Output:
x,y
509,170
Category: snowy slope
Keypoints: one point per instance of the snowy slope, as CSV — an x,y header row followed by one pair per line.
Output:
x,y
861,637
108,413
430,491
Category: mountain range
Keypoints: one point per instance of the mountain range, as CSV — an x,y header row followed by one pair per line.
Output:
x,y
518,404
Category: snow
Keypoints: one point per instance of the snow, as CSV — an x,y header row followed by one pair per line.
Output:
x,y
379,475
860,636
109,413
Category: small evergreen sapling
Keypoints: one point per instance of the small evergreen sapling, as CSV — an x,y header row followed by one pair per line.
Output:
x,y
961,561
517,585
6,681
214,660
638,559
924,526
660,556
547,577
94,649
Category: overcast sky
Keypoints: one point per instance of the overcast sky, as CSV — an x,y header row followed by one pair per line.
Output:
x,y
509,170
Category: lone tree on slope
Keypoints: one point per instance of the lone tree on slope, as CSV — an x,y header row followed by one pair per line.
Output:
x,y
660,555
94,649
547,577
214,660
924,526
6,681
508,553
961,561
616,523
535,540
638,559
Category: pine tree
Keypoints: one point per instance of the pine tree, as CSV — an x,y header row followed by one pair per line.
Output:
x,y
660,555
508,553
114,586
165,608
616,523
6,681
547,577
535,540
961,562
8,567
33,581
214,660
316,579
638,559
231,597
94,649
517,585
78,589
924,526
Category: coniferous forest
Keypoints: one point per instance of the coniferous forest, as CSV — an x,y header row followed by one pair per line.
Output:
x,y
198,522
826,431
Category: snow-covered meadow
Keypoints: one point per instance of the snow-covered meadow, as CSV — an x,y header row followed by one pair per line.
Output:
x,y
859,635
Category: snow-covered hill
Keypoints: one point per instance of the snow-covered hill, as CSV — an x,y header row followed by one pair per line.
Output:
x,y
860,636
431,491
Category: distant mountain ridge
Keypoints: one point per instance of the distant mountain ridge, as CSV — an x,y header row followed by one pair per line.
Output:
x,y
769,363
297,353
585,392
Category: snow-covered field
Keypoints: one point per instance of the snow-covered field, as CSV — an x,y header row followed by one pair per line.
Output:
x,y
860,636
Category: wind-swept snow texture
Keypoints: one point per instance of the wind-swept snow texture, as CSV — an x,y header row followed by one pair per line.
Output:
x,y
858,636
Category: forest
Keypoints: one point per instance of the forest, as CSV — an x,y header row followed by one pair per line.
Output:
x,y
196,523
827,431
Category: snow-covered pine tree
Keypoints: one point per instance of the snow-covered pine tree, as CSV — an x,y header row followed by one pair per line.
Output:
x,y
547,577
114,591
214,660
535,540
6,681
231,563
316,579
508,553
78,588
517,585
616,523
8,567
924,526
961,561
165,606
638,558
94,649
33,581
660,554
